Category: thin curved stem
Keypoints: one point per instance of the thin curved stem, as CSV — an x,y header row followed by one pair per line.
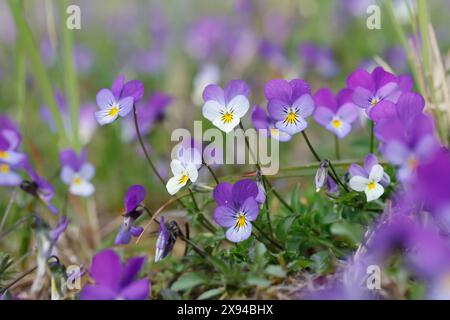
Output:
x,y
8,208
213,174
372,138
272,241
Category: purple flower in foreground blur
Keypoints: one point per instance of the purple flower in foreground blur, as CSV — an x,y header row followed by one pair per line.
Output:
x,y
225,107
237,208
289,104
371,179
133,198
377,92
408,136
119,100
165,241
148,114
335,113
318,58
10,159
115,280
77,172
261,121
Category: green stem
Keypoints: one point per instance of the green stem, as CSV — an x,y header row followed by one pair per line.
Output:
x,y
272,241
372,137
266,204
211,171
17,224
8,208
336,147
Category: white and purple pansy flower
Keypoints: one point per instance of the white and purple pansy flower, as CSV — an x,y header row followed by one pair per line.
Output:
x,y
10,159
119,100
261,121
166,240
289,104
76,172
378,91
184,169
236,208
370,179
335,113
133,198
225,107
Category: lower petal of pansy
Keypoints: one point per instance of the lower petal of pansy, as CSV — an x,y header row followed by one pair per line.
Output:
x,y
176,183
106,116
7,177
137,290
358,183
341,130
227,123
225,216
97,292
81,187
382,110
238,234
123,237
292,127
373,191
11,157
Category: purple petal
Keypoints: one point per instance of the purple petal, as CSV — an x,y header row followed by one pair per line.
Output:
x,y
223,194
369,161
276,107
357,170
106,269
278,89
361,78
259,119
305,105
138,290
324,98
9,139
136,231
405,82
389,92
299,88
382,110
344,96
348,112
123,237
382,77
323,116
68,157
362,97
235,234
409,105
235,88
97,292
131,270
134,196
251,208
214,92
133,88
225,216
117,86
396,153
105,98
243,189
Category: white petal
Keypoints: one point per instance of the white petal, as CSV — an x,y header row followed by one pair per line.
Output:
x,y
11,157
103,116
67,174
87,171
226,127
239,105
174,185
192,172
358,183
376,174
211,110
177,167
83,188
375,193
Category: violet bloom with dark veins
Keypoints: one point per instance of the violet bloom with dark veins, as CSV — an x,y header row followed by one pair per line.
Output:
x,y
115,280
237,208
408,136
335,113
165,241
289,104
133,198
378,91
119,100
261,121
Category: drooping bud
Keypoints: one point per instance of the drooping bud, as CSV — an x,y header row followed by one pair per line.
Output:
x,y
321,175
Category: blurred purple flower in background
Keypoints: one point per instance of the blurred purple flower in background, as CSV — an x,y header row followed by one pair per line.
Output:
x,y
319,59
237,208
289,104
76,172
115,280
133,198
335,113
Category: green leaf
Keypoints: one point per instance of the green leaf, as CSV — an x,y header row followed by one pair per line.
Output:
x,y
351,231
189,281
258,281
210,293
320,262
276,271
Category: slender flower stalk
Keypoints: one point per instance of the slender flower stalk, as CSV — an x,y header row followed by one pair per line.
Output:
x,y
17,224
372,137
8,208
271,240
336,148
213,174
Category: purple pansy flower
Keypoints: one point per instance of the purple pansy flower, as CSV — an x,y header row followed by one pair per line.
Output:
x,y
115,280
119,100
335,113
289,104
165,241
408,136
225,107
237,208
133,198
371,179
261,121
9,142
378,91
77,172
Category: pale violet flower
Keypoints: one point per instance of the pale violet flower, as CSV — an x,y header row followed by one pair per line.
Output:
x,y
370,185
225,107
184,169
77,173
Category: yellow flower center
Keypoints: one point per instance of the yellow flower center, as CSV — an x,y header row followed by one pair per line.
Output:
x,y
113,111
184,178
227,117
3,154
374,101
77,180
4,168
336,123
241,221
371,185
291,117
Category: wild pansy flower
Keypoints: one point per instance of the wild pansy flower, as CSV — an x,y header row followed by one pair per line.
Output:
x,y
133,198
76,172
119,100
408,136
165,242
289,104
184,169
321,175
225,107
371,179
335,113
236,208
261,121
115,280
378,91
9,142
